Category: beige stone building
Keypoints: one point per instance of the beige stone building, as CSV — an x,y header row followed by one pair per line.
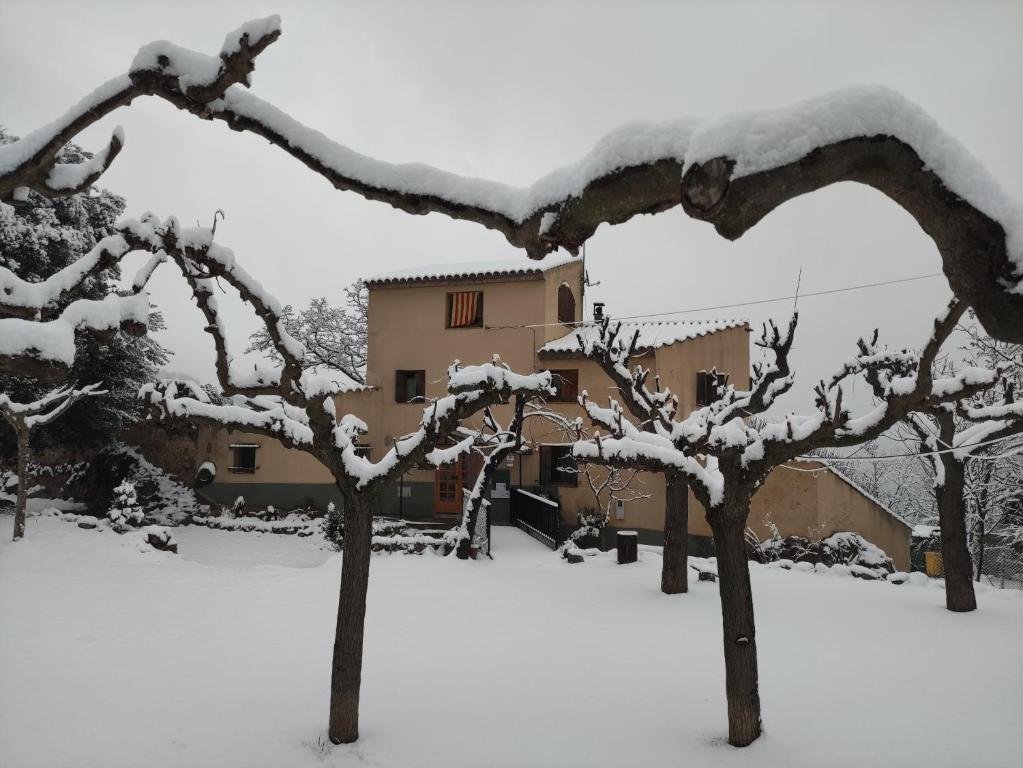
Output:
x,y
420,320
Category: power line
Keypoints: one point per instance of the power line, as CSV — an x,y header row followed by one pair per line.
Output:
x,y
785,298
798,295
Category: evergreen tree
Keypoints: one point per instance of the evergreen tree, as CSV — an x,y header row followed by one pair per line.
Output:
x,y
39,236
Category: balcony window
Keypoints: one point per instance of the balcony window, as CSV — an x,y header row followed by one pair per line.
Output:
x,y
566,304
465,310
566,385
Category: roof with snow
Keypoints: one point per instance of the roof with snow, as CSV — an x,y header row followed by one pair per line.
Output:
x,y
652,333
472,271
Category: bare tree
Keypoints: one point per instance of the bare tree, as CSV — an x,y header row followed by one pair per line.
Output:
x,y
731,172
297,408
726,460
26,417
333,337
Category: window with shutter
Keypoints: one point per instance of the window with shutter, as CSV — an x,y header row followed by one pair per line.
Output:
x,y
409,386
464,310
709,386
558,466
566,385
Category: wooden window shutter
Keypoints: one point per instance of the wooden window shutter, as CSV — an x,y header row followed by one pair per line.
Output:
x,y
399,387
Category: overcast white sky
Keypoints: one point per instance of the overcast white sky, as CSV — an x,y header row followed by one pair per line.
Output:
x,y
510,91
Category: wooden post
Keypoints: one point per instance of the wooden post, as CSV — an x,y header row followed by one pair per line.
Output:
x,y
628,547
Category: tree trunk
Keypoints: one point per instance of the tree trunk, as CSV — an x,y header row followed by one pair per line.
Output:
x,y
741,679
22,502
675,566
980,547
955,553
346,673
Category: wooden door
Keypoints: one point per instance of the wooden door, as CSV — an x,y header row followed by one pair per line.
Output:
x,y
447,490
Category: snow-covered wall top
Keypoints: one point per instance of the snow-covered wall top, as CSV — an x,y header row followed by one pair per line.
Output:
x,y
652,333
471,270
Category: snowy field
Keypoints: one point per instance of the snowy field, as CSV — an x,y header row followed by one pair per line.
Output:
x,y
220,656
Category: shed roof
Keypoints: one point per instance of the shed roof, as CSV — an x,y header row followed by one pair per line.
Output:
x,y
652,333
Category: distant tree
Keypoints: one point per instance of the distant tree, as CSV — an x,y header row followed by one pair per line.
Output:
x,y
333,337
978,493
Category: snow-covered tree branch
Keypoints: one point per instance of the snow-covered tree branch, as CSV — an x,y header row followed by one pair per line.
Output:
x,y
187,79
731,171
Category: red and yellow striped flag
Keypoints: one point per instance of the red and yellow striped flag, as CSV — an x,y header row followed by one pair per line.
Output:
x,y
463,308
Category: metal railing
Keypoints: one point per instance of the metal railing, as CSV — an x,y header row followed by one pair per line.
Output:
x,y
537,516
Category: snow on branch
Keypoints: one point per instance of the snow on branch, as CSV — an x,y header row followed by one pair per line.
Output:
x,y
720,437
732,171
187,79
49,407
46,349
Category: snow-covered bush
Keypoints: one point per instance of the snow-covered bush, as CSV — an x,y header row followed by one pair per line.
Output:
x,y
590,528
161,497
125,513
334,526
842,549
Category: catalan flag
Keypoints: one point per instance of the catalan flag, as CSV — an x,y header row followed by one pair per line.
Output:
x,y
464,306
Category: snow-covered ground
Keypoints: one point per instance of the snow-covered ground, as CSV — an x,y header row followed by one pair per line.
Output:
x,y
220,656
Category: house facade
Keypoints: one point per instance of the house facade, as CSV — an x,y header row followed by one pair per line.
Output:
x,y
529,313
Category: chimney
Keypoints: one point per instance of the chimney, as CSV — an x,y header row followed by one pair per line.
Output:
x,y
598,311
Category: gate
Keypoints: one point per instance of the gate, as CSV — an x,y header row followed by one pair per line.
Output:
x,y
537,516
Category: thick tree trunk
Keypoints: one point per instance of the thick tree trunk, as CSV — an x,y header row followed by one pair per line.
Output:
x,y
675,567
346,674
741,679
22,502
955,552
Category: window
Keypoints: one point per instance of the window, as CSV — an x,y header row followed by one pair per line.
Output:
x,y
708,386
557,465
464,310
363,450
244,458
566,304
566,385
409,386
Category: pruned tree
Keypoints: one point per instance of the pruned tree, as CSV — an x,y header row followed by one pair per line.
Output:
x,y
298,409
727,458
26,417
334,337
958,442
731,172
652,410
